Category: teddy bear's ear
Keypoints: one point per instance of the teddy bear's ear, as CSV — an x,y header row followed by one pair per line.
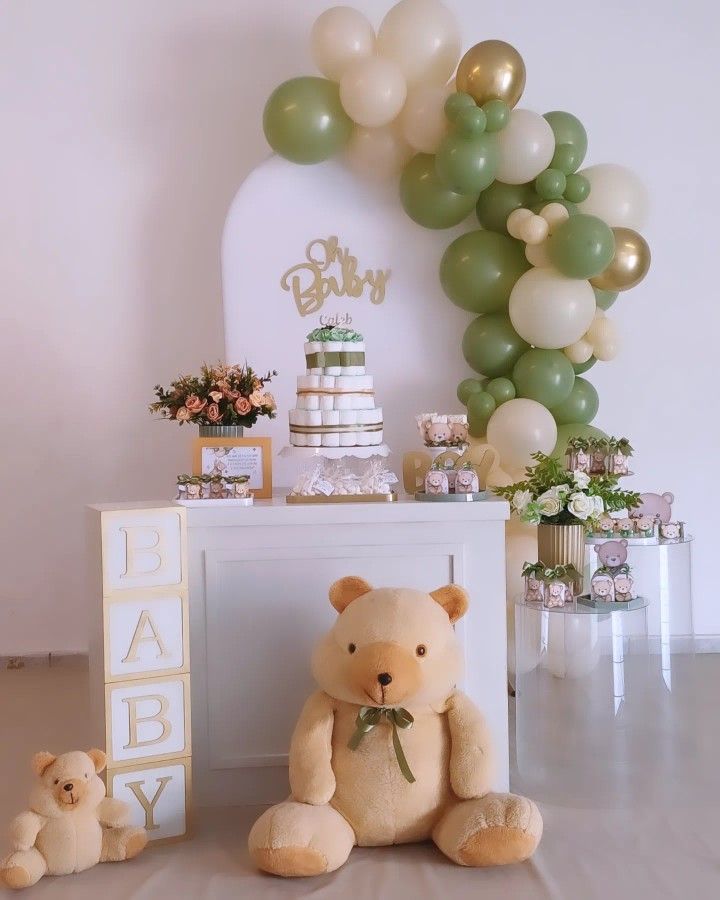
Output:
x,y
41,761
98,757
453,599
343,592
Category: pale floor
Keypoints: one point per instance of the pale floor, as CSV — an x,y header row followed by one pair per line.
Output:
x,y
584,854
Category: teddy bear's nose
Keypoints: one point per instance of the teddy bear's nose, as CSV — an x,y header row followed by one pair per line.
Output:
x,y
384,678
68,787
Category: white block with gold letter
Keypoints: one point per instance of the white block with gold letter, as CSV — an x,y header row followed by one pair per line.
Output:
x,y
140,659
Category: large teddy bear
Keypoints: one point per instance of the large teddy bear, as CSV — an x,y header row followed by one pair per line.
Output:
x,y
388,751
71,825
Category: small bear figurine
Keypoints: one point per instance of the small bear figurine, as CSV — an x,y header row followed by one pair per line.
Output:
x,y
534,589
623,585
645,526
598,462
670,531
437,434
606,525
71,825
466,481
459,433
602,587
626,527
436,482
619,463
582,461
556,594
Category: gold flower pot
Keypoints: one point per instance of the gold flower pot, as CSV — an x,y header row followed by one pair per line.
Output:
x,y
562,545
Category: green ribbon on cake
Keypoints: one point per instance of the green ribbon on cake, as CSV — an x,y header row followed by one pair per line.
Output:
x,y
370,716
325,358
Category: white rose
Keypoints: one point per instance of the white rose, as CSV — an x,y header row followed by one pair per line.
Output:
x,y
582,479
581,506
549,503
521,499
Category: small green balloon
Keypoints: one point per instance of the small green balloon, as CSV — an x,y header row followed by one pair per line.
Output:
x,y
469,386
491,345
479,270
497,202
577,188
481,405
546,376
467,165
580,406
471,121
497,113
567,432
568,129
477,425
502,389
604,299
581,247
566,158
426,199
579,368
456,103
550,184
304,120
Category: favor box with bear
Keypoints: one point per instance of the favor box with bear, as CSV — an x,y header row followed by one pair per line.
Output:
x,y
551,586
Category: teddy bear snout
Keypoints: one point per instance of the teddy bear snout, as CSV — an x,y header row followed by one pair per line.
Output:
x,y
384,674
384,678
68,786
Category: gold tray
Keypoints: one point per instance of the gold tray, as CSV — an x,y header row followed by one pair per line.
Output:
x,y
342,498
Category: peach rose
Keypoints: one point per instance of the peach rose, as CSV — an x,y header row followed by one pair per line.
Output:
x,y
268,400
256,398
183,414
242,406
213,412
195,404
216,396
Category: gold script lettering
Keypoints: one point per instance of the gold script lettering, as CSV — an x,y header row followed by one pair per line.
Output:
x,y
145,621
311,284
134,720
149,805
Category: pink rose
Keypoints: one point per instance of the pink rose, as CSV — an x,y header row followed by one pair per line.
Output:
x,y
242,406
213,412
195,404
256,398
183,414
216,396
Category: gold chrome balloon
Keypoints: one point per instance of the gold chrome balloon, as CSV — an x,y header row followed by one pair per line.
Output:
x,y
492,70
629,265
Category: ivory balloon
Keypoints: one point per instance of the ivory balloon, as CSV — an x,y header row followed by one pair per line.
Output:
x,y
423,120
423,38
549,310
617,196
526,147
340,36
536,255
493,70
603,336
519,428
554,214
628,266
372,91
377,153
579,352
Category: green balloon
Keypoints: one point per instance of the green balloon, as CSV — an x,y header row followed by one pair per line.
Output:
x,y
579,368
546,376
550,184
491,345
604,299
577,188
481,405
502,389
568,129
479,270
581,247
567,432
304,120
477,425
426,199
581,406
497,113
456,103
566,158
497,202
467,165
469,386
471,121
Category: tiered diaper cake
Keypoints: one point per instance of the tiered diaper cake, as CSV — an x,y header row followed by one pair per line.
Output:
x,y
335,398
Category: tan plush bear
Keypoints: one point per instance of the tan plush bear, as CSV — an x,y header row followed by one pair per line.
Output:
x,y
71,825
388,751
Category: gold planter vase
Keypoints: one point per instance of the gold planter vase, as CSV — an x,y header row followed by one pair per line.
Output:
x,y
561,545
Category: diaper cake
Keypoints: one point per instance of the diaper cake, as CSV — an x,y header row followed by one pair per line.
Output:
x,y
335,404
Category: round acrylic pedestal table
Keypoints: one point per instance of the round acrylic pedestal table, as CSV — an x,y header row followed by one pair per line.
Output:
x,y
608,716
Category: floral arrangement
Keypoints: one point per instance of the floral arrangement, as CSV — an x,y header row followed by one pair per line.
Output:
x,y
552,494
343,335
220,395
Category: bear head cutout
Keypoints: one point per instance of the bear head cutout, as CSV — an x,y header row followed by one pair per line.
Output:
x,y
612,553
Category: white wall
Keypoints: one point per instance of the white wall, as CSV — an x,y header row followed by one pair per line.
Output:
x,y
125,129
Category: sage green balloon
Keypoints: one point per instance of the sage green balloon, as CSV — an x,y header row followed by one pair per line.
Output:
x,y
567,432
479,270
491,345
456,103
304,120
577,188
496,203
580,406
568,129
471,121
546,376
550,184
604,299
502,389
497,113
467,164
566,158
427,200
469,386
581,247
481,405
579,368
477,425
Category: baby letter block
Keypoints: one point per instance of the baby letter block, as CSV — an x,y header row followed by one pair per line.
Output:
x,y
143,548
157,794
145,634
148,719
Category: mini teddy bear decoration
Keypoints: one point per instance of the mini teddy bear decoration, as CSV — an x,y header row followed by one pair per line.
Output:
x,y
436,481
466,480
611,581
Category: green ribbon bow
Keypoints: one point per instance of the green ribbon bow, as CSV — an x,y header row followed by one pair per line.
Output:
x,y
370,716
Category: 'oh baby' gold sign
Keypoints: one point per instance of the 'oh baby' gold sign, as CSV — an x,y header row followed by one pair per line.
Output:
x,y
331,269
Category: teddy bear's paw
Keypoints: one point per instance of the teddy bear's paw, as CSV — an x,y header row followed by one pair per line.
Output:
x,y
136,843
507,829
23,869
16,877
290,861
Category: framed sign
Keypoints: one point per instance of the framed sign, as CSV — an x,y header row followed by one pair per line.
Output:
x,y
236,456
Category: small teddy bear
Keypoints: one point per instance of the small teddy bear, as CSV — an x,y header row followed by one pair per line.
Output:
x,y
582,461
534,590
466,481
620,464
71,825
645,526
626,527
606,525
437,434
555,594
670,531
602,587
459,433
598,463
623,587
436,482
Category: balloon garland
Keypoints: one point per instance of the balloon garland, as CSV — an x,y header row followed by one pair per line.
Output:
x,y
556,245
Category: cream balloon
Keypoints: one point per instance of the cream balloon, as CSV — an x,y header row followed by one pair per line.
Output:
x,y
554,214
526,146
579,352
519,428
549,310
377,153
423,119
372,91
604,338
534,230
617,196
339,36
515,221
537,255
423,38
